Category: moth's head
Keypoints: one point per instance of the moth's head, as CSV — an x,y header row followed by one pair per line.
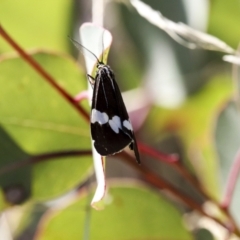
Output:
x,y
100,65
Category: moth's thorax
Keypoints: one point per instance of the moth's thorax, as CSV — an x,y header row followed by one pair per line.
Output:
x,y
104,69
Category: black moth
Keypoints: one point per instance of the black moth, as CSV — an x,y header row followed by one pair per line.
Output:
x,y
111,128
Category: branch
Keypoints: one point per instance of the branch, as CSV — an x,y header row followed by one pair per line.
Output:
x,y
43,157
180,32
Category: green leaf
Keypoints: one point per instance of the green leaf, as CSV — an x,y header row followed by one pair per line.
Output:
x,y
39,120
36,24
222,21
134,213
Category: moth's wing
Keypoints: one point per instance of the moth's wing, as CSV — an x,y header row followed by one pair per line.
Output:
x,y
110,126
107,102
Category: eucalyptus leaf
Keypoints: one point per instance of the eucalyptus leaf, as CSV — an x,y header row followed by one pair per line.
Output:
x,y
39,120
134,212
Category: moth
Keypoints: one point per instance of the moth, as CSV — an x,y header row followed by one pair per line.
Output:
x,y
111,128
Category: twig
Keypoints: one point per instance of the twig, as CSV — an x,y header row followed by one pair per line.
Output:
x,y
180,32
43,157
167,158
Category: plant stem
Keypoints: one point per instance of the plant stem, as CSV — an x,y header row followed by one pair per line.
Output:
x,y
43,157
231,182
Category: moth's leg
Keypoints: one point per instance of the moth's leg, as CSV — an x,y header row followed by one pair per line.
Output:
x,y
91,80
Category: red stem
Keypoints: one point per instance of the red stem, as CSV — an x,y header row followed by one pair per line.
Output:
x,y
231,182
167,158
43,157
43,73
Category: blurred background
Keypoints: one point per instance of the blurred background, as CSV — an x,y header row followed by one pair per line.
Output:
x,y
180,101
